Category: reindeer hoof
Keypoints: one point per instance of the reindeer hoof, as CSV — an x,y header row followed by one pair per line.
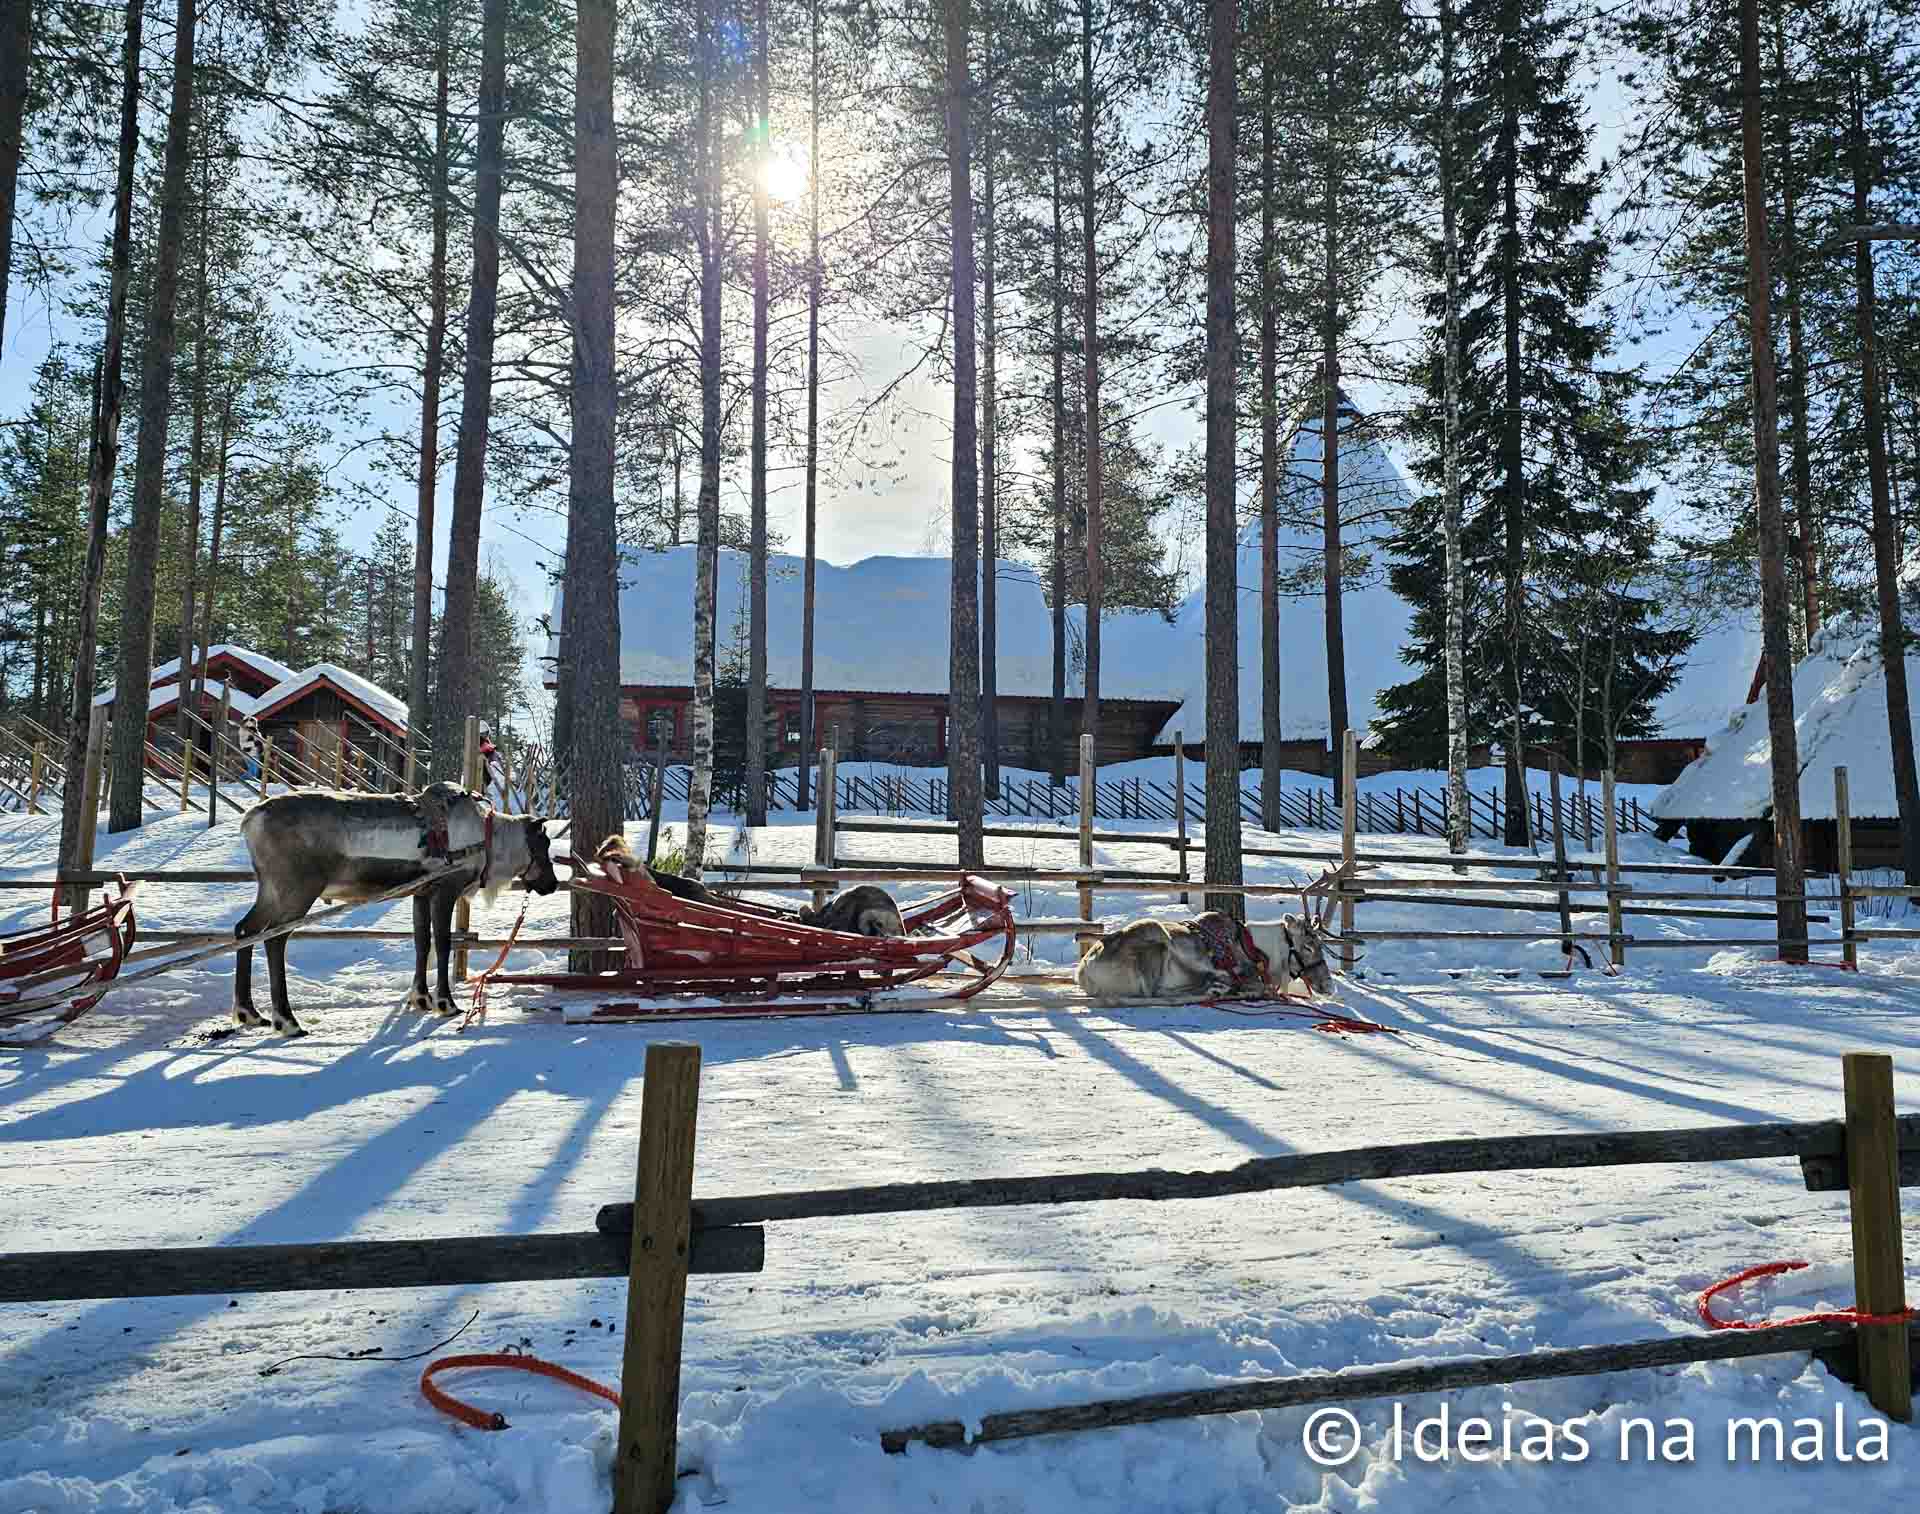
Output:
x,y
245,1015
418,1002
446,1007
1219,986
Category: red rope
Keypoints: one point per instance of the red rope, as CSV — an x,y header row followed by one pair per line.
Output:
x,y
477,1010
1320,1019
1848,1316
482,1419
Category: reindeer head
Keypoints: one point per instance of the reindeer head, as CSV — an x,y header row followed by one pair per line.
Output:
x,y
538,874
1306,932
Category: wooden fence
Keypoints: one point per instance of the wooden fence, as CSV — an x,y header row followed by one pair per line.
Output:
x,y
665,1234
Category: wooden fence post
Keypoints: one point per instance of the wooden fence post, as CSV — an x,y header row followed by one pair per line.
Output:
x,y
1843,864
827,816
213,755
340,762
266,765
1086,828
33,782
1180,804
1560,861
91,770
658,796
1616,937
469,778
1879,1272
406,779
646,1468
187,753
1350,771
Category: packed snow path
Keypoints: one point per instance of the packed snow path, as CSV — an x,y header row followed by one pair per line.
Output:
x,y
135,1129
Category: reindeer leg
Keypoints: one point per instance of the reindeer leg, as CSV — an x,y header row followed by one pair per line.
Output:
x,y
244,1014
443,902
417,999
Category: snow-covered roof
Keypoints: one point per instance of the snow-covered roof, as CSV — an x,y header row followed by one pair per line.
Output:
x,y
162,695
267,667
375,698
1840,714
881,627
1715,679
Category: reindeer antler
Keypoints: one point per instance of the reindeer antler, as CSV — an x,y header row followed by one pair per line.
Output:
x,y
1323,887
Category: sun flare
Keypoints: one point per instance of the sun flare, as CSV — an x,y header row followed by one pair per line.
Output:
x,y
784,174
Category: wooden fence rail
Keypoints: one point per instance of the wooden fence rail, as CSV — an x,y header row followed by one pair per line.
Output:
x,y
665,1234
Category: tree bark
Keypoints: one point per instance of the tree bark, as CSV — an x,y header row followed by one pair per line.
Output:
x,y
1338,717
213,545
190,546
1058,715
150,449
16,71
1788,840
1886,546
1795,281
420,711
103,453
1223,586
1269,468
963,683
1512,464
1459,813
1090,338
808,737
756,806
455,688
593,567
707,531
989,450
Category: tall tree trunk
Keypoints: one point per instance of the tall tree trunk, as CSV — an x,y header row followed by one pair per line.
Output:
x,y
963,682
1512,464
16,69
593,563
1269,465
1459,813
756,805
1788,840
1223,533
1795,280
213,546
196,472
1886,546
708,217
420,711
1058,716
456,688
808,737
1338,718
989,450
150,449
1090,338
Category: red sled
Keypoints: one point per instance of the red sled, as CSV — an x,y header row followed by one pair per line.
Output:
x,y
722,952
52,976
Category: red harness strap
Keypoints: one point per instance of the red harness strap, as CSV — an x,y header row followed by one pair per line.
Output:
x,y
1852,1315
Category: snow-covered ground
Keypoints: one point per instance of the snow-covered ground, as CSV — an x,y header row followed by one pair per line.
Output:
x,y
135,1128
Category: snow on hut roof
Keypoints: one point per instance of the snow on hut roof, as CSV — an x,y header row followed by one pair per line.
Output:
x,y
881,626
1840,714
165,694
375,698
262,664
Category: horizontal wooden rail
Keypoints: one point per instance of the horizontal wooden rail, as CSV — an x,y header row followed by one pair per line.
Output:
x,y
46,1277
1319,1169
1469,860
1003,832
1376,1382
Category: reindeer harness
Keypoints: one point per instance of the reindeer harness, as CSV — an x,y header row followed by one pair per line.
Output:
x,y
1219,938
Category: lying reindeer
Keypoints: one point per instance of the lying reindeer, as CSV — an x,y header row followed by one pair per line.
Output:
x,y
1212,956
318,844
864,910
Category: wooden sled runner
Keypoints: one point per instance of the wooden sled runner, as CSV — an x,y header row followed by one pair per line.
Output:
x,y
51,976
692,958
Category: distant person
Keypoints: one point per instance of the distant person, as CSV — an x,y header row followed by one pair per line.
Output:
x,y
490,762
251,745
